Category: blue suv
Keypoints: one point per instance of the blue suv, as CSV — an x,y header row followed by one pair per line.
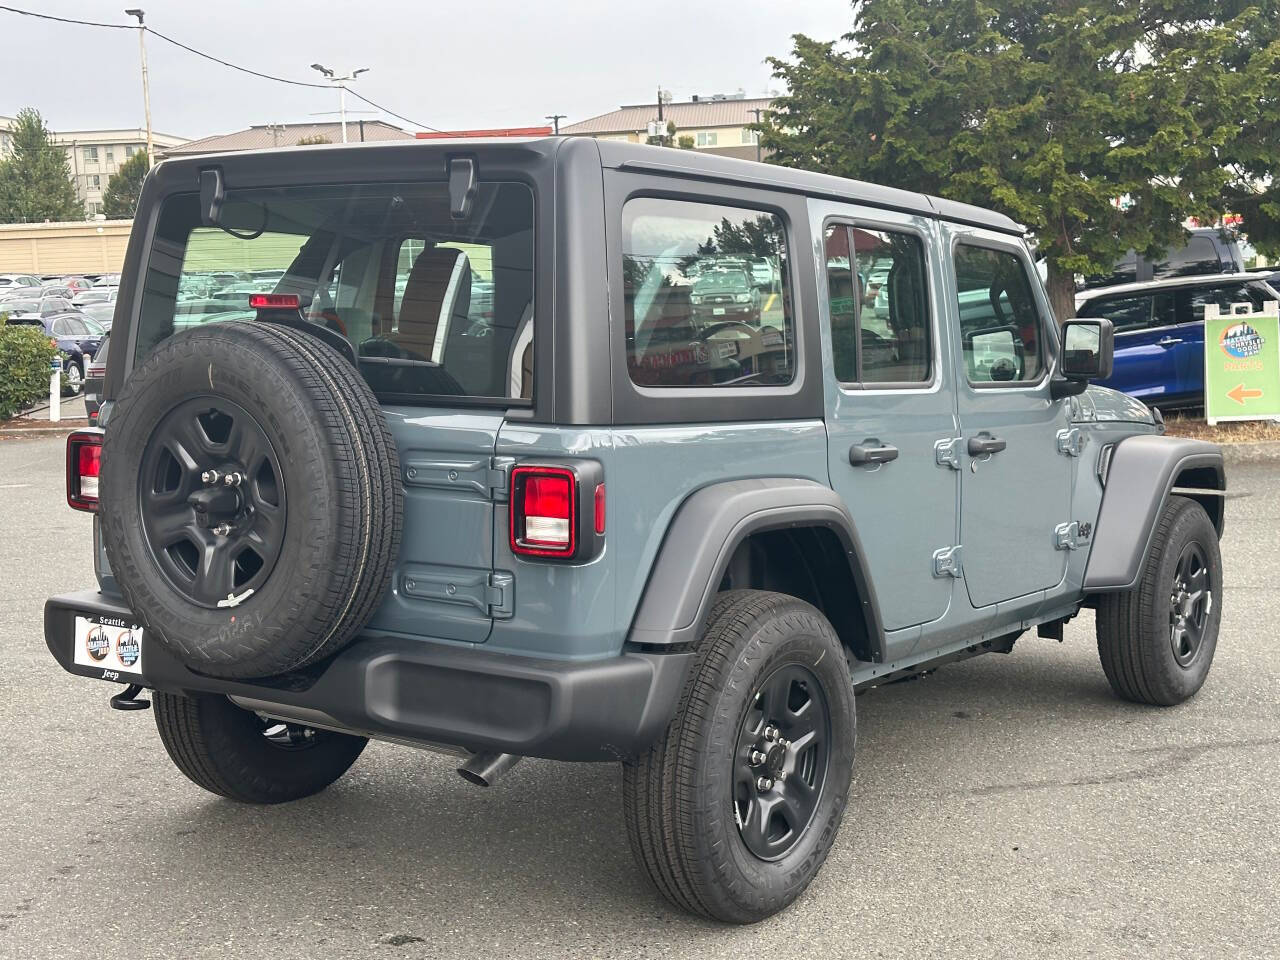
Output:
x,y
478,473
1159,329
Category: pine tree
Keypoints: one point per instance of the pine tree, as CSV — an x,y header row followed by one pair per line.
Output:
x,y
1100,124
121,197
35,179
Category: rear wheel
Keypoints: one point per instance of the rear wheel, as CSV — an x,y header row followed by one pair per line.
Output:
x,y
1157,640
733,811
240,755
74,374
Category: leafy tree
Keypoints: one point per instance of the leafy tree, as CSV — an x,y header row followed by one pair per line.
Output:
x,y
120,200
1100,124
35,179
313,139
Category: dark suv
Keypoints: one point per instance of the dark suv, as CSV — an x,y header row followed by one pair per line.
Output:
x,y
470,476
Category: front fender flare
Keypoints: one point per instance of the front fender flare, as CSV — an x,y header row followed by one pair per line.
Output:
x,y
708,527
1139,482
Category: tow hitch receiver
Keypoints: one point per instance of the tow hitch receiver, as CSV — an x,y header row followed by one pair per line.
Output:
x,y
128,699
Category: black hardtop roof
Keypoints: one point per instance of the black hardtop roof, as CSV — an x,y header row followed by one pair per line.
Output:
x,y
693,164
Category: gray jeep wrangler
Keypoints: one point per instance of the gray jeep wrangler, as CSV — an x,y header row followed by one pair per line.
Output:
x,y
599,452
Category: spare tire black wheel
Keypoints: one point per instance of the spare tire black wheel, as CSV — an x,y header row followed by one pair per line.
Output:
x,y
251,499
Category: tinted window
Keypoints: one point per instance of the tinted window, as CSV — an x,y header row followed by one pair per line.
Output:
x,y
60,327
1000,323
448,314
1125,313
877,293
77,328
1225,298
1200,255
700,311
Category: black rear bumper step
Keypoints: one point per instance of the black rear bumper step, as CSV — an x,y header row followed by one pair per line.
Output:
x,y
433,693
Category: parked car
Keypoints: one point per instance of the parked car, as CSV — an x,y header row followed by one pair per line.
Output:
x,y
308,536
17,280
724,294
58,290
1159,329
107,280
103,312
95,294
94,373
1208,250
77,336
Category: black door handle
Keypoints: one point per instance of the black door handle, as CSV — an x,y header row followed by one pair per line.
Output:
x,y
863,453
981,446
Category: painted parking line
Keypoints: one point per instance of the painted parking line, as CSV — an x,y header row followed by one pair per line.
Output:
x,y
768,304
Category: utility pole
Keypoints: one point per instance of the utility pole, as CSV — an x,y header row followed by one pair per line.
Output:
x,y
146,81
341,83
757,111
660,117
555,119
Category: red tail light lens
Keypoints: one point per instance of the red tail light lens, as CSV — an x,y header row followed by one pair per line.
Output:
x,y
274,301
84,464
544,511
600,510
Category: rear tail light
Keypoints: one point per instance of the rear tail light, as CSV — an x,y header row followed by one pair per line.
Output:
x,y
84,462
274,301
547,511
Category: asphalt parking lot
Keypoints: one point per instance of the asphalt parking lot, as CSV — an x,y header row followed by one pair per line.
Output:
x,y
1008,806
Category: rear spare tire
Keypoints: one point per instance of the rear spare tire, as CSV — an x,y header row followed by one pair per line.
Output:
x,y
251,500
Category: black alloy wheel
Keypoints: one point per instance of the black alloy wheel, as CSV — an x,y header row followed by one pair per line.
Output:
x,y
780,761
212,501
1190,604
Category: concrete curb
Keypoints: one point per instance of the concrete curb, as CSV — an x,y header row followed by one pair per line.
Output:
x,y
1263,452
65,427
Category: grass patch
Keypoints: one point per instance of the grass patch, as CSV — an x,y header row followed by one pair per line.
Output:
x,y
1194,427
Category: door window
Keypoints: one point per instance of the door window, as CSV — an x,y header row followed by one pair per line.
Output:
x,y
699,312
1000,324
877,291
1125,313
1224,298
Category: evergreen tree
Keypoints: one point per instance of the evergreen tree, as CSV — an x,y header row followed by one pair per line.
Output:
x,y
121,197
35,178
1100,124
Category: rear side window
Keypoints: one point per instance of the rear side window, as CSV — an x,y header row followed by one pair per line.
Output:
x,y
707,295
1000,324
878,294
433,307
1225,298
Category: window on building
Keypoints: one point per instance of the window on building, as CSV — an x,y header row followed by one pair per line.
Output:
x,y
91,154
111,156
1000,322
877,292
130,151
95,180
707,138
696,314
749,136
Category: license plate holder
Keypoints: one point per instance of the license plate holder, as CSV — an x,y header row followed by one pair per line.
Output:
x,y
109,646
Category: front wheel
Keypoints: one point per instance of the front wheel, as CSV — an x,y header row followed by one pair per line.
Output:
x,y
1157,640
731,813
240,755
74,382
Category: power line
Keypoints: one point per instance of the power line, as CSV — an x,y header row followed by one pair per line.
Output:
x,y
209,56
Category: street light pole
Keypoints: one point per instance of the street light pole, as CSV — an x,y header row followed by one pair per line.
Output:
x,y
146,81
341,83
555,119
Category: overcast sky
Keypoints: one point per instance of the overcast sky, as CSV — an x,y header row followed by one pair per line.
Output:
x,y
454,65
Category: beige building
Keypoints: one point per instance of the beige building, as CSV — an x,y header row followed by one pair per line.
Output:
x,y
717,124
94,155
95,246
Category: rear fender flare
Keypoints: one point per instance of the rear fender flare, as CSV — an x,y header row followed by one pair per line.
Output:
x,y
701,539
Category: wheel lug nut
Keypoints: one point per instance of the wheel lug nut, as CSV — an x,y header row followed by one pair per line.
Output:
x,y
770,732
211,476
757,758
232,479
764,783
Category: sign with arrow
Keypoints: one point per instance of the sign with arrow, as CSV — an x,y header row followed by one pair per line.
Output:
x,y
1242,363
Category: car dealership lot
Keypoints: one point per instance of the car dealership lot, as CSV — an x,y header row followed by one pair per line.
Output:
x,y
1008,806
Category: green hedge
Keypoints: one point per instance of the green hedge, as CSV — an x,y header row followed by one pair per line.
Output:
x,y
25,355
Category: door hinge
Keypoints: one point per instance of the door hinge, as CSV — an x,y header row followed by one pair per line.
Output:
x,y
1073,535
946,562
947,452
498,475
1071,442
501,595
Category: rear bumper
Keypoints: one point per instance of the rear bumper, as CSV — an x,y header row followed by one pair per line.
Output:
x,y
429,693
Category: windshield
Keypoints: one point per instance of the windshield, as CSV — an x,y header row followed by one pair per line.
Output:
x,y
721,280
431,306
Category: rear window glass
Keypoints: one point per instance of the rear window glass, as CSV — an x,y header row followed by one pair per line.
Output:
x,y
707,297
432,306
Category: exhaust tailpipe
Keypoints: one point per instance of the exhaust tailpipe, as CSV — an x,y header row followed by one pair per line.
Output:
x,y
484,769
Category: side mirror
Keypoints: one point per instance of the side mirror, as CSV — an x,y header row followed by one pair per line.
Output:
x,y
1088,349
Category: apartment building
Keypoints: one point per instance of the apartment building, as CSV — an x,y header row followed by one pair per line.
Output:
x,y
718,124
94,155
